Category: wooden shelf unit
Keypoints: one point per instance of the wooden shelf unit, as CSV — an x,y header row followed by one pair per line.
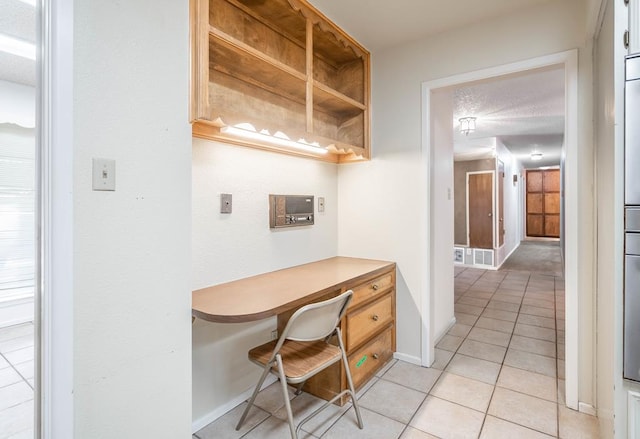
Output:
x,y
279,65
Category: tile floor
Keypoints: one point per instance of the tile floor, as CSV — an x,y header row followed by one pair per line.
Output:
x,y
16,381
499,373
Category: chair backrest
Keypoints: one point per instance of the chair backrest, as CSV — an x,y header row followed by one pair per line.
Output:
x,y
317,320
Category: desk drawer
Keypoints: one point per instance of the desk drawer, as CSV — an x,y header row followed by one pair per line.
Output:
x,y
371,288
366,361
364,322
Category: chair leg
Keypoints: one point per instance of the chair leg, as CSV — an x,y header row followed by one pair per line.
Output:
x,y
285,394
347,371
265,372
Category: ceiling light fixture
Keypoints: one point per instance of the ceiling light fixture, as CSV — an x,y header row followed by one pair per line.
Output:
x,y
467,125
247,131
17,47
535,156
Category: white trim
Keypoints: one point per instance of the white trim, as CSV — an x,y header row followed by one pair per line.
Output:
x,y
634,27
588,409
207,419
411,359
570,61
440,335
54,318
633,408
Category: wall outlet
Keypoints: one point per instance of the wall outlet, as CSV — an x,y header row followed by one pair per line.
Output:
x,y
226,203
274,334
468,251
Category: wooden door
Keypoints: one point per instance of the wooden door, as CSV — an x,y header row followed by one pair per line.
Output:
x,y
543,203
480,193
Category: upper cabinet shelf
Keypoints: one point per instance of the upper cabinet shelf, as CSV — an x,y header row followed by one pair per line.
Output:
x,y
278,67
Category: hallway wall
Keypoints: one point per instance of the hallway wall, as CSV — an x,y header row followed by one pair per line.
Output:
x,y
396,174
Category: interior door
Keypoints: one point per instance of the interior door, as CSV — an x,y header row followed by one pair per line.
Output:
x,y
480,199
543,203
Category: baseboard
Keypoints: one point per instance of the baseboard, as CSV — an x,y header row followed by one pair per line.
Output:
x,y
507,257
443,333
587,409
407,358
207,419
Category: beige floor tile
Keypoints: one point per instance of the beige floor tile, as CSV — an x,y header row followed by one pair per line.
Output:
x,y
392,400
24,434
24,341
534,384
375,427
489,336
495,428
459,330
495,325
26,369
534,413
16,419
503,306
508,297
479,294
412,376
500,315
473,301
464,391
9,376
561,369
468,309
442,359
20,355
272,428
413,433
16,331
544,322
535,332
270,399
225,426
561,338
576,425
474,368
561,393
304,404
561,351
445,419
450,342
531,362
539,303
533,345
15,394
484,351
466,319
386,367
535,311
365,388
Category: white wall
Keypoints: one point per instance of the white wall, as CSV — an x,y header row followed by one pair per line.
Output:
x,y
512,213
386,192
226,247
132,261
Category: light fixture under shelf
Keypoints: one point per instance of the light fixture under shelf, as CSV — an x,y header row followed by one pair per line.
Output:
x,y
536,156
467,125
248,131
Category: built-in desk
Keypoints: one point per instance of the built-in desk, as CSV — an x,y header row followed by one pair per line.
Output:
x,y
368,326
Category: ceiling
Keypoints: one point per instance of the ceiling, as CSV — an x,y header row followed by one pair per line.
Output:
x,y
18,20
526,111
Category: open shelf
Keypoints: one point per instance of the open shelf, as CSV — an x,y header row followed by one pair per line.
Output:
x,y
278,65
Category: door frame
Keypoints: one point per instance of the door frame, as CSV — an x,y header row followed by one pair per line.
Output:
x,y
493,206
569,59
54,408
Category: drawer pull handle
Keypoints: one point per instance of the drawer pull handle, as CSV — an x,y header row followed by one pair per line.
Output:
x,y
375,287
375,317
375,356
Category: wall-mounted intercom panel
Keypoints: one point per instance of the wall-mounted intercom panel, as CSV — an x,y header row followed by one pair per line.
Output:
x,y
290,210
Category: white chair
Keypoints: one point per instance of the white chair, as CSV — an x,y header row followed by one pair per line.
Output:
x,y
302,351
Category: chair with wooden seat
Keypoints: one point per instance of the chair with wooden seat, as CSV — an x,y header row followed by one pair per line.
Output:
x,y
303,350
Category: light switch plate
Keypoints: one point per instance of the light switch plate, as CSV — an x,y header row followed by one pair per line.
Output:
x,y
320,204
104,175
226,203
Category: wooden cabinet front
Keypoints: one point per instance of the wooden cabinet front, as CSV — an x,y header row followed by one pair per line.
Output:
x,y
368,330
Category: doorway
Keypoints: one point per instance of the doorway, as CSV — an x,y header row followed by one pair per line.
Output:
x,y
543,203
433,249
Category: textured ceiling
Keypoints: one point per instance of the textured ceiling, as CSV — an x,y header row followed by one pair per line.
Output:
x,y
17,20
525,111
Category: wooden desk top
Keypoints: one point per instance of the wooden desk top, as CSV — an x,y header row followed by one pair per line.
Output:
x,y
266,295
